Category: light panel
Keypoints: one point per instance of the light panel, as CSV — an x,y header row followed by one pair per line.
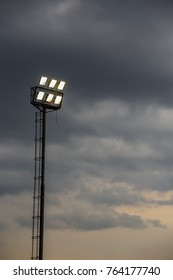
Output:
x,y
58,100
50,97
61,85
43,81
48,94
40,95
52,83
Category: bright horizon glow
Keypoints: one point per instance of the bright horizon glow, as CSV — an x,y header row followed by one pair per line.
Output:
x,y
61,85
52,83
50,97
43,81
58,100
40,95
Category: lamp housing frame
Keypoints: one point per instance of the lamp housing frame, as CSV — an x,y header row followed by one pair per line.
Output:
x,y
43,103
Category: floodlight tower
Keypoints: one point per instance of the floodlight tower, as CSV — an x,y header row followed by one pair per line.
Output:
x,y
47,97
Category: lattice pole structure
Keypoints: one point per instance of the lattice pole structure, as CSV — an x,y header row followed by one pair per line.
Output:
x,y
39,186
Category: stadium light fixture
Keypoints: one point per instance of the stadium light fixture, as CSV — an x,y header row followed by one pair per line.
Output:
x,y
48,93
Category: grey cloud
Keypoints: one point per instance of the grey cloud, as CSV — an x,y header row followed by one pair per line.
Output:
x,y
112,194
165,202
24,221
16,168
95,207
16,210
2,227
156,223
98,220
131,157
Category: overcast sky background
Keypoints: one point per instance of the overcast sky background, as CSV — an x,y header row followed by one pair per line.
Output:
x,y
109,169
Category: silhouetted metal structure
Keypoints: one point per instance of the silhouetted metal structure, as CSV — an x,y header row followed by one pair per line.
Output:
x,y
47,97
39,186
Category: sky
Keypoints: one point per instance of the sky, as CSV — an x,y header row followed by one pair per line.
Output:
x,y
109,150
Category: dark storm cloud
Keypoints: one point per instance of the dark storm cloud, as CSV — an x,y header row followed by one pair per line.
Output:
x,y
114,150
117,47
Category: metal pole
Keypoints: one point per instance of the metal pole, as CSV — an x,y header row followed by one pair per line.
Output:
x,y
42,185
